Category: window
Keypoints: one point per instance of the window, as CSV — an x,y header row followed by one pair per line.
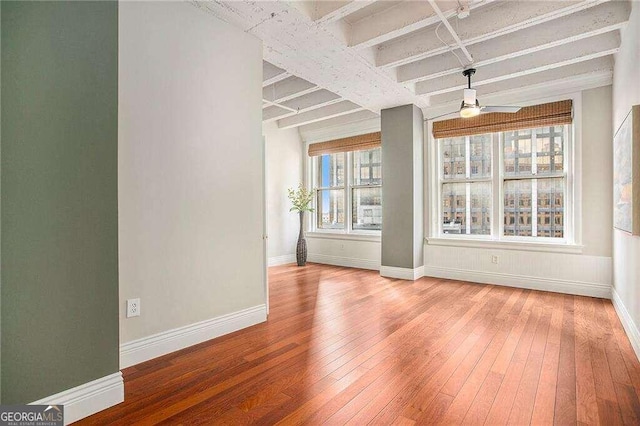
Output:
x,y
534,177
358,186
519,176
330,191
366,190
466,184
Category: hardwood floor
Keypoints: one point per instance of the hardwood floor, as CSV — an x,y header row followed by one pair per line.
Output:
x,y
346,346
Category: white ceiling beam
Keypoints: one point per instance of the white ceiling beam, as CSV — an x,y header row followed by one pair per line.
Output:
x,y
351,118
299,105
275,79
266,103
453,33
586,23
273,112
391,23
294,42
571,53
599,65
272,74
331,11
324,113
310,100
289,88
488,22
399,20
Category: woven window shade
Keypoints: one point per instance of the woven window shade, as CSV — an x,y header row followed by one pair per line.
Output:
x,y
353,143
551,114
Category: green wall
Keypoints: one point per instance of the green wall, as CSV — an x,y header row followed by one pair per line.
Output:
x,y
59,207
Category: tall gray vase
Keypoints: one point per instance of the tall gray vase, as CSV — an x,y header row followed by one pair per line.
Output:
x,y
301,247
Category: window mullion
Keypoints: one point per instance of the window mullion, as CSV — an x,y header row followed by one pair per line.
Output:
x,y
348,191
439,208
313,184
497,223
534,153
534,207
467,157
534,183
568,220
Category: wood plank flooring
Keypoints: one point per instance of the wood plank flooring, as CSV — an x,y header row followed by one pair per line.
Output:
x,y
346,346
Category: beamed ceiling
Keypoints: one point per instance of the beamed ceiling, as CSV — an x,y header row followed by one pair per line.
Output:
x,y
332,62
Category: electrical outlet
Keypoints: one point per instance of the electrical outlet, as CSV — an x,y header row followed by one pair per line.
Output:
x,y
133,308
494,259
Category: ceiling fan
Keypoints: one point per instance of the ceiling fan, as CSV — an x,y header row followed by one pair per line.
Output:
x,y
470,106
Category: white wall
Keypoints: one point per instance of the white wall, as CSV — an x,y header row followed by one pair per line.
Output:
x,y
597,176
587,273
626,248
284,158
190,167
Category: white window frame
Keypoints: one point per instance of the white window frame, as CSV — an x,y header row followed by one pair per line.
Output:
x,y
572,240
312,226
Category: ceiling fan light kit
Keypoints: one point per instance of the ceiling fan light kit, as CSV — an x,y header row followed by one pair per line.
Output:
x,y
471,107
469,110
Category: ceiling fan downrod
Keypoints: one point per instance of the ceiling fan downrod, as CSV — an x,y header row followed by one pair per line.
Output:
x,y
468,73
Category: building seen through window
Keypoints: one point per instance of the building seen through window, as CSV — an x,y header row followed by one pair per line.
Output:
x,y
532,181
466,184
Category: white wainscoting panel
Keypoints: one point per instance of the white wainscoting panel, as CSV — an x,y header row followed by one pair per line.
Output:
x,y
333,250
350,262
558,272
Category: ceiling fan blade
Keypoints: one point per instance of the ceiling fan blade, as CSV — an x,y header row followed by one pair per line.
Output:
x,y
492,108
442,115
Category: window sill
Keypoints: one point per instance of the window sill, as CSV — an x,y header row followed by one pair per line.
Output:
x,y
507,245
344,236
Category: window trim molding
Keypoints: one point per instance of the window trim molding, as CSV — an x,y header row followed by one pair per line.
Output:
x,y
510,244
371,236
573,232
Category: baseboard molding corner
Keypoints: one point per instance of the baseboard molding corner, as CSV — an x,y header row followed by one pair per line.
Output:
x,y
349,262
282,260
627,322
89,398
146,348
521,281
402,273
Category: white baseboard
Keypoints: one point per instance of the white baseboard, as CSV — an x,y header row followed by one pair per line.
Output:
x,y
344,261
89,398
282,260
150,347
402,273
521,281
627,322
